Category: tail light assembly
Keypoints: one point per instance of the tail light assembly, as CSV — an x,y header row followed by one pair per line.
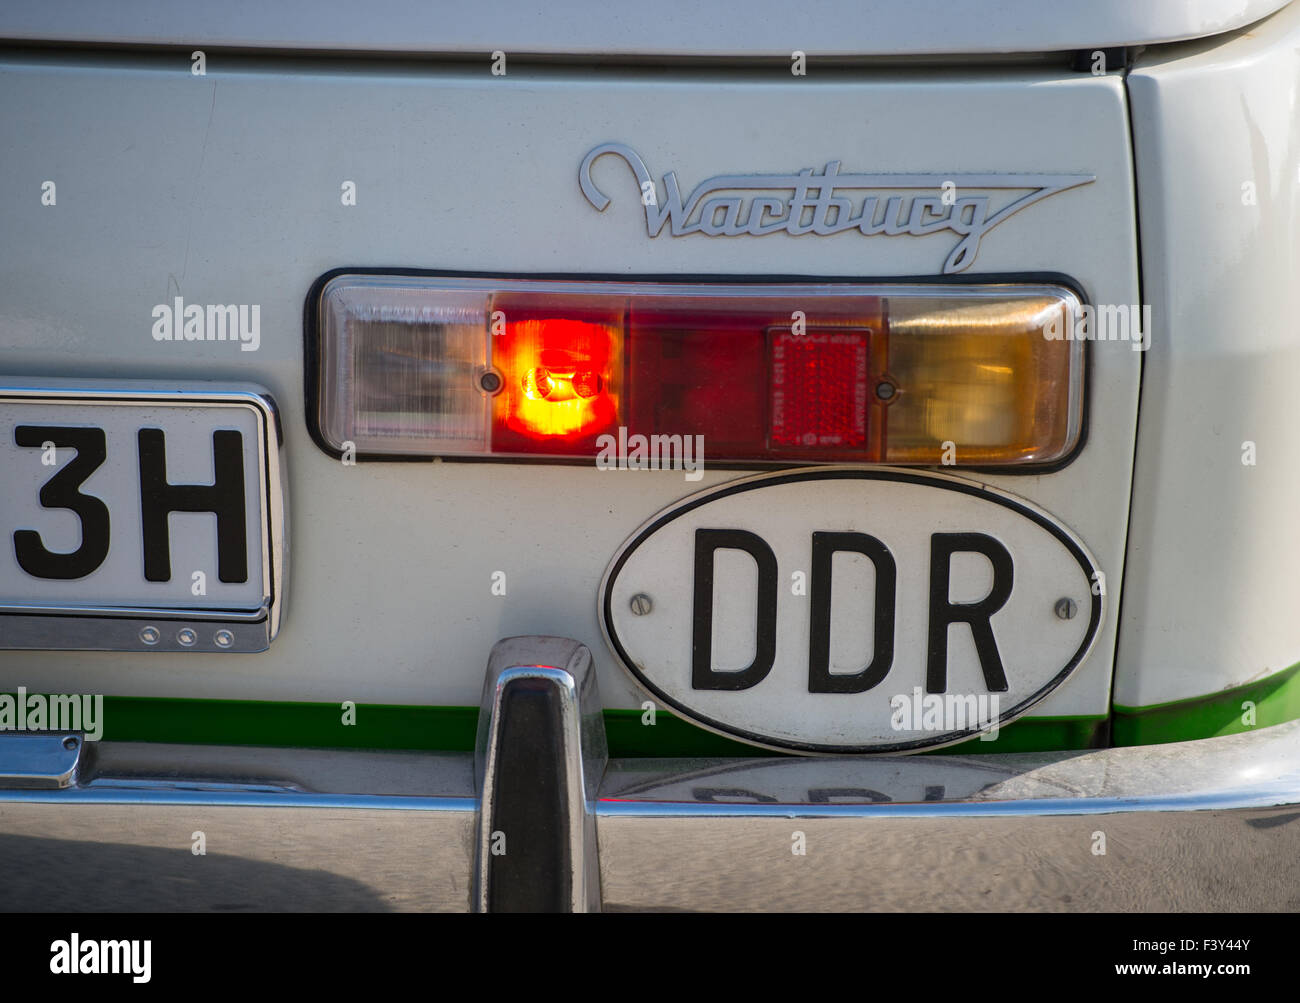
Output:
x,y
780,373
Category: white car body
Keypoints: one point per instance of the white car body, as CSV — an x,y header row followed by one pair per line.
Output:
x,y
225,187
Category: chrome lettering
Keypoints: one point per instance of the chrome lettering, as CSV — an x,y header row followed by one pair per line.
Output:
x,y
822,204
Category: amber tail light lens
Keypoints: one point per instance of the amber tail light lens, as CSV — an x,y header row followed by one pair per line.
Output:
x,y
766,373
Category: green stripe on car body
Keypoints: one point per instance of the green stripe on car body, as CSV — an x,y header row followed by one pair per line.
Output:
x,y
453,729
1275,700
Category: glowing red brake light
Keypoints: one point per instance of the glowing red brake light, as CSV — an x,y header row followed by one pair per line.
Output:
x,y
557,372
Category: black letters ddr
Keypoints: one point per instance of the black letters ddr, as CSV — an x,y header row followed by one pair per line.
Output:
x,y
707,541
978,614
60,491
224,497
824,548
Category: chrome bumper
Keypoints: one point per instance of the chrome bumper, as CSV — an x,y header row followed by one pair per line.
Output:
x,y
539,819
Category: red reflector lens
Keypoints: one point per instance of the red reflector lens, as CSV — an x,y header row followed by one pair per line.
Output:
x,y
760,380
819,389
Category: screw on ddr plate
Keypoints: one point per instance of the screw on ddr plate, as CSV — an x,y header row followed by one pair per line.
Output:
x,y
70,742
1066,608
149,635
641,604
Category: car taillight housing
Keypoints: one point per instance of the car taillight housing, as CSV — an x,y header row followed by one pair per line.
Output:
x,y
783,372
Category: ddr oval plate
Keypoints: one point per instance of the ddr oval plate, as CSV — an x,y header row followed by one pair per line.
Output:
x,y
851,610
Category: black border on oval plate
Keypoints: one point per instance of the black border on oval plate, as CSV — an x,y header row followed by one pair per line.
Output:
x,y
946,482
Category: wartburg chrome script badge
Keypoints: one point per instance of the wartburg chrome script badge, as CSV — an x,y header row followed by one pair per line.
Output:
x,y
715,209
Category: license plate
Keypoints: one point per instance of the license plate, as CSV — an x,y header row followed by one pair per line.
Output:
x,y
847,610
140,516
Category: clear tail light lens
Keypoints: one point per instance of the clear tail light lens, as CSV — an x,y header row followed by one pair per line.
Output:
x,y
780,373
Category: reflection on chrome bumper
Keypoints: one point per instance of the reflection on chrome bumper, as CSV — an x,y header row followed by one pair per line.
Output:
x,y
1211,825
1206,825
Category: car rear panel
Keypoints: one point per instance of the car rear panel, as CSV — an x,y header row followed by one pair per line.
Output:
x,y
226,188
404,577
